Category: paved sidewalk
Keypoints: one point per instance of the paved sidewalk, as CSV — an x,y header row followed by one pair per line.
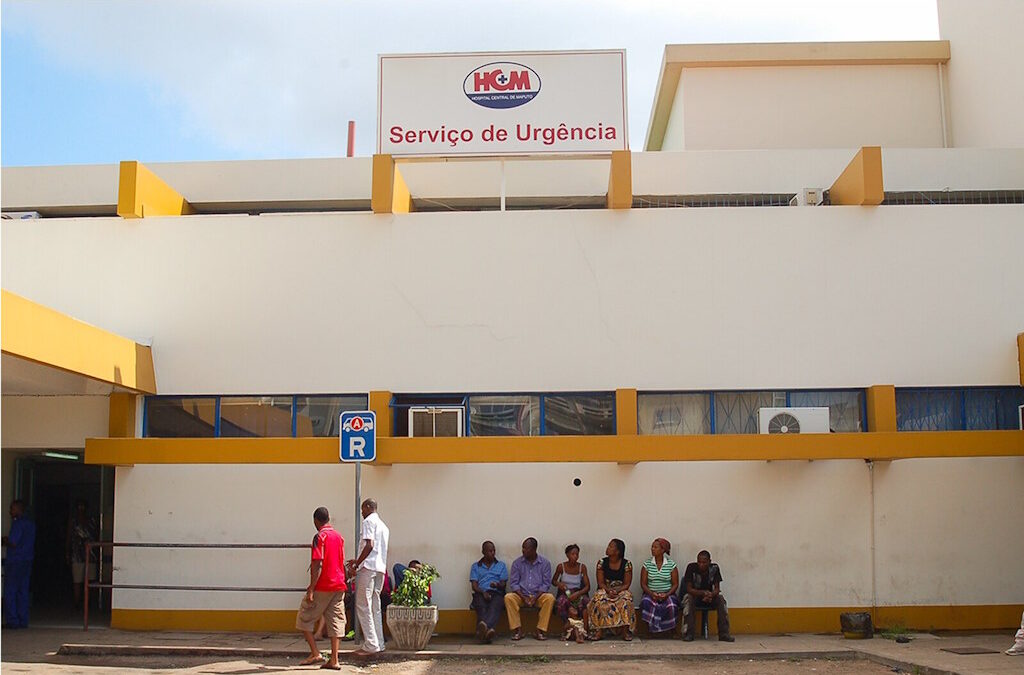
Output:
x,y
925,651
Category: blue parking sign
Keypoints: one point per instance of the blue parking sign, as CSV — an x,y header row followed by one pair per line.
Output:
x,y
358,436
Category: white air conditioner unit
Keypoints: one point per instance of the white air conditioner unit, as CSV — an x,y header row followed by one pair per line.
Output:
x,y
20,215
792,420
808,197
435,421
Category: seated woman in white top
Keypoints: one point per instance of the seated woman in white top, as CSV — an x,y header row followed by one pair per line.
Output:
x,y
573,584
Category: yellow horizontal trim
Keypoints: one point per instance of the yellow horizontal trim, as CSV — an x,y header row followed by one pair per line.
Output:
x,y
754,55
478,449
31,331
744,620
142,193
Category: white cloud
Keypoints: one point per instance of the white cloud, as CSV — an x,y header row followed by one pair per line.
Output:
x,y
282,78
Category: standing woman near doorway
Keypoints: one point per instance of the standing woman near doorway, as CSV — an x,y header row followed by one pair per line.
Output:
x,y
81,529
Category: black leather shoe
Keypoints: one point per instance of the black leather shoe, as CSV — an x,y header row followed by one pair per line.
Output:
x,y
726,638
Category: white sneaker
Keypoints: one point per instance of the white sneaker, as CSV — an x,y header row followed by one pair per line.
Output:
x,y
1016,650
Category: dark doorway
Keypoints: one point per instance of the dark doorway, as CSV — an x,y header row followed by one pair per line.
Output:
x,y
51,483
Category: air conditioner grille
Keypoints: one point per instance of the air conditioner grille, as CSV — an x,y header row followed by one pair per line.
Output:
x,y
783,423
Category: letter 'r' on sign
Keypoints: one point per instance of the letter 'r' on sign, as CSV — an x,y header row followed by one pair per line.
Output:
x,y
358,437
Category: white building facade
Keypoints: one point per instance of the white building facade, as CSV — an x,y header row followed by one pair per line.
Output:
x,y
607,363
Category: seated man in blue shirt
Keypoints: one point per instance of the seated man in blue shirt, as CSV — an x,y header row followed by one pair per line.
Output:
x,y
488,577
529,583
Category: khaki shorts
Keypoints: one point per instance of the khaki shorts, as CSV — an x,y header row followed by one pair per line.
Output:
x,y
326,604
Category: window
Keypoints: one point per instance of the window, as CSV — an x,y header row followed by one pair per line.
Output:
x,y
435,421
579,414
736,411
180,416
261,416
319,415
246,416
513,415
845,407
941,409
674,414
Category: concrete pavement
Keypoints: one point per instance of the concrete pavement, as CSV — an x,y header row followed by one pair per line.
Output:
x,y
925,653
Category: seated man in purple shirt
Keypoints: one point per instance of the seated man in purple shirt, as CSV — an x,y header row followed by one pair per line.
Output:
x,y
528,585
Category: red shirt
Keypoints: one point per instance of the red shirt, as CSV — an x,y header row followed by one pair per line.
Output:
x,y
329,549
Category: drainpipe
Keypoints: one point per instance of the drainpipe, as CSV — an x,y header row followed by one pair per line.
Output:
x,y
874,587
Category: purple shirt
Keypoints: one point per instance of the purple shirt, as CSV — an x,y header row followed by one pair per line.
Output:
x,y
530,578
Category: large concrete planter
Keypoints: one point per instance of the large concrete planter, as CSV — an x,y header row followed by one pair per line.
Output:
x,y
411,627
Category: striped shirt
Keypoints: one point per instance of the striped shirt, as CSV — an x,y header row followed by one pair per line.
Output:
x,y
659,581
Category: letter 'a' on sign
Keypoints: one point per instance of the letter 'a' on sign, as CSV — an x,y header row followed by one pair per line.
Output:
x,y
358,437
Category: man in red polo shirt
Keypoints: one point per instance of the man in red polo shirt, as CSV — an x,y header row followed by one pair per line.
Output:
x,y
325,595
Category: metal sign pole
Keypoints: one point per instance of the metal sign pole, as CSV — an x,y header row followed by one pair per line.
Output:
x,y
358,521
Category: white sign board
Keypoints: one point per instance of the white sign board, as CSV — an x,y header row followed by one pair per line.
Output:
x,y
501,103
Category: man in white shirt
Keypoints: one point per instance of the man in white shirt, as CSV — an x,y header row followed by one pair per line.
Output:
x,y
371,566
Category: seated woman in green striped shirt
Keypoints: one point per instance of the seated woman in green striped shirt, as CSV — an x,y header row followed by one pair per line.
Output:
x,y
659,579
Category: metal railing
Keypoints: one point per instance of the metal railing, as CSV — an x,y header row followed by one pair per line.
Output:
x,y
90,545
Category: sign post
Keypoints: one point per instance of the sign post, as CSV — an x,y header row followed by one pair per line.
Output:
x,y
358,444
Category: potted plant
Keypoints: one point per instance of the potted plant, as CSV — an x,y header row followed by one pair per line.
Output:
x,y
410,619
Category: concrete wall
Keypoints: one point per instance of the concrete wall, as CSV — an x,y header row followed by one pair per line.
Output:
x,y
806,107
54,421
555,300
787,534
986,90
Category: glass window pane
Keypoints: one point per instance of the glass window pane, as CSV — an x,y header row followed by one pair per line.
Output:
x,y
929,410
260,416
736,411
180,417
504,415
673,414
319,415
993,408
579,414
845,408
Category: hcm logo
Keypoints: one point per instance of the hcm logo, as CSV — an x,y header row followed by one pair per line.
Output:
x,y
502,85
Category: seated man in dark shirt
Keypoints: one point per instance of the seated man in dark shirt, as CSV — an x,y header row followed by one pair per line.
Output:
x,y
701,587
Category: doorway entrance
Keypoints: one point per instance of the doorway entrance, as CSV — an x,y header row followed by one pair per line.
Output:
x,y
52,483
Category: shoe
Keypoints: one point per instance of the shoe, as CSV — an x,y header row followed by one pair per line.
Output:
x,y
726,638
489,637
687,638
349,636
1016,650
481,631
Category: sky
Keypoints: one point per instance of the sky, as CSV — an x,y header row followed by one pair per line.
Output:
x,y
100,81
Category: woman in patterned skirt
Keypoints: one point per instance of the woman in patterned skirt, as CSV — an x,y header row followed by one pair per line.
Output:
x,y
659,578
612,604
573,584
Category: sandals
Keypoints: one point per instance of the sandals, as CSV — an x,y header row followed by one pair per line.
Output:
x,y
312,660
627,635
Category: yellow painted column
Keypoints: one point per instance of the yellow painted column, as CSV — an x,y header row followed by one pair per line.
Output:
x,y
860,183
1020,356
142,193
881,405
625,412
380,403
620,180
122,416
389,191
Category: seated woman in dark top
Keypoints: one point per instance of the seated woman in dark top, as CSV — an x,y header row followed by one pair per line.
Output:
x,y
612,604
